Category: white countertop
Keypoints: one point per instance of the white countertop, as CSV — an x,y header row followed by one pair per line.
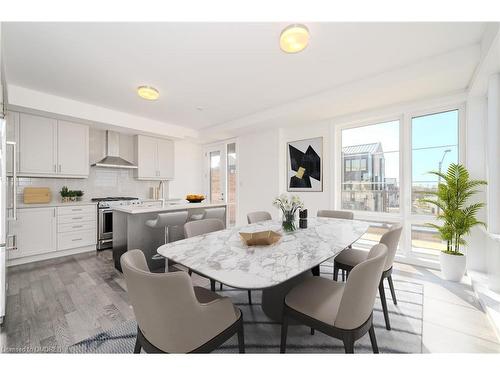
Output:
x,y
223,256
55,203
152,208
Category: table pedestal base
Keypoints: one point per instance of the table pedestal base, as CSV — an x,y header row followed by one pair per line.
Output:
x,y
274,298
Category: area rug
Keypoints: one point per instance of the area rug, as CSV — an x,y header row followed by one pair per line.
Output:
x,y
263,336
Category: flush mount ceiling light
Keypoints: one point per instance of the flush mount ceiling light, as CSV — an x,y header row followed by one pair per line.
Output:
x,y
294,38
148,92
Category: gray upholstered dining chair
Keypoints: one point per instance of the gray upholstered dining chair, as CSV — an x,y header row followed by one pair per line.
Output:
x,y
334,214
340,310
347,215
199,227
172,315
255,217
349,258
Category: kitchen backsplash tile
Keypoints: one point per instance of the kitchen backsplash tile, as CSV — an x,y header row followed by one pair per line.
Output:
x,y
100,183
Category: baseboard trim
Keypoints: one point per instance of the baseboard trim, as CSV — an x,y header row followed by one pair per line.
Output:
x,y
51,255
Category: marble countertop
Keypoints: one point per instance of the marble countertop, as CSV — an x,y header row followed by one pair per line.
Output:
x,y
223,256
55,203
152,208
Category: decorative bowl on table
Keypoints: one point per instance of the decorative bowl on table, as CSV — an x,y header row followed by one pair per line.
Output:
x,y
195,198
265,238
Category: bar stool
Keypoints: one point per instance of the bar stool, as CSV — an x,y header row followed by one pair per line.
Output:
x,y
215,213
167,221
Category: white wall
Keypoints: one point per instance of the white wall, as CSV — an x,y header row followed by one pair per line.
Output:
x,y
188,170
258,172
475,163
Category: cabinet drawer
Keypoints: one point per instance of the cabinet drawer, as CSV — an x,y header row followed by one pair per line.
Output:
x,y
72,240
72,227
77,210
76,218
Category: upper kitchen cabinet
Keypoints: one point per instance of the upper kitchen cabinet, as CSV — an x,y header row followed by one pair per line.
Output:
x,y
48,147
72,149
155,158
37,145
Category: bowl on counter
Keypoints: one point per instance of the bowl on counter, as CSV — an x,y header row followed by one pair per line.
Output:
x,y
195,198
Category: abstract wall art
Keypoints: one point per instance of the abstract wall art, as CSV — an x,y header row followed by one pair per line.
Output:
x,y
304,165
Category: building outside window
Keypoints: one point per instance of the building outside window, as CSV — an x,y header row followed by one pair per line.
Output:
x,y
370,175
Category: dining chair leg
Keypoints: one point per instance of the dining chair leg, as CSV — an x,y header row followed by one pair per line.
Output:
x,y
220,287
335,273
190,272
137,347
212,285
312,331
249,297
316,271
241,339
384,304
393,292
373,340
343,275
284,331
348,344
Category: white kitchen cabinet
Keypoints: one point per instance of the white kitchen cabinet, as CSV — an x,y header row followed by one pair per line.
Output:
x,y
72,148
166,159
76,226
48,147
37,145
35,231
155,158
48,232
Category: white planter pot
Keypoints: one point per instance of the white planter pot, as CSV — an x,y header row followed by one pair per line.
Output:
x,y
452,266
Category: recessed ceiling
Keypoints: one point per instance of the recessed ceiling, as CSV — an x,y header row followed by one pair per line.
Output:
x,y
230,70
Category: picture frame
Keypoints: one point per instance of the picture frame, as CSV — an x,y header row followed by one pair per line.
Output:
x,y
305,165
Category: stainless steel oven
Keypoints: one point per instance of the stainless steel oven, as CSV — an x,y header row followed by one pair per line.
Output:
x,y
105,218
105,232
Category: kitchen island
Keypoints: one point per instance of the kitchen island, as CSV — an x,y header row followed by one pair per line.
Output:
x,y
131,232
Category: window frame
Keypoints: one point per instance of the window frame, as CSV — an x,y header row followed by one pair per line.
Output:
x,y
405,214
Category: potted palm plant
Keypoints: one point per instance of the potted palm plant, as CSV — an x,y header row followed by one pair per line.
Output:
x,y
457,216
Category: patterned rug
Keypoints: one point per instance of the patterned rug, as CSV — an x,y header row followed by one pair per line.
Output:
x,y
263,335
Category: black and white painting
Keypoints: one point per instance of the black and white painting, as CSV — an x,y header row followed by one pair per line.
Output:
x,y
304,165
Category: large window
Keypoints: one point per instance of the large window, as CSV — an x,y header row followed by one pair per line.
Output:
x,y
434,141
371,160
370,177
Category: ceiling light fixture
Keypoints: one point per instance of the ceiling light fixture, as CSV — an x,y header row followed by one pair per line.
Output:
x,y
148,92
294,38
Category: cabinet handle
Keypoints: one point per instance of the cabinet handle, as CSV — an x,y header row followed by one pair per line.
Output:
x,y
55,168
14,242
76,209
77,226
59,167
76,239
77,218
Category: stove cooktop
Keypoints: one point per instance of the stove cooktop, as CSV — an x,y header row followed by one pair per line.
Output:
x,y
113,199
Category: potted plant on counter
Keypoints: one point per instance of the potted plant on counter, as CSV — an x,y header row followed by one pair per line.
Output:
x,y
289,207
70,195
457,216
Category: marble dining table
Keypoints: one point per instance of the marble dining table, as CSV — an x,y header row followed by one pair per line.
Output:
x,y
224,257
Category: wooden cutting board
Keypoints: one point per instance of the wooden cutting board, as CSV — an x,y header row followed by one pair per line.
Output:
x,y
37,195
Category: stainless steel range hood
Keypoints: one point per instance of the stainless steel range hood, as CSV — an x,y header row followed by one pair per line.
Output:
x,y
113,159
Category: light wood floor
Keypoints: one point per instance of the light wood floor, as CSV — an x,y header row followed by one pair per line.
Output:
x,y
55,303
59,302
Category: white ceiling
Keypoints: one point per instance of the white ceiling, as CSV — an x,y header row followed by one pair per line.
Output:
x,y
234,70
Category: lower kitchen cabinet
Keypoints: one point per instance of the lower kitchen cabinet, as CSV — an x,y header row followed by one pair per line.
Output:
x,y
35,231
44,232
